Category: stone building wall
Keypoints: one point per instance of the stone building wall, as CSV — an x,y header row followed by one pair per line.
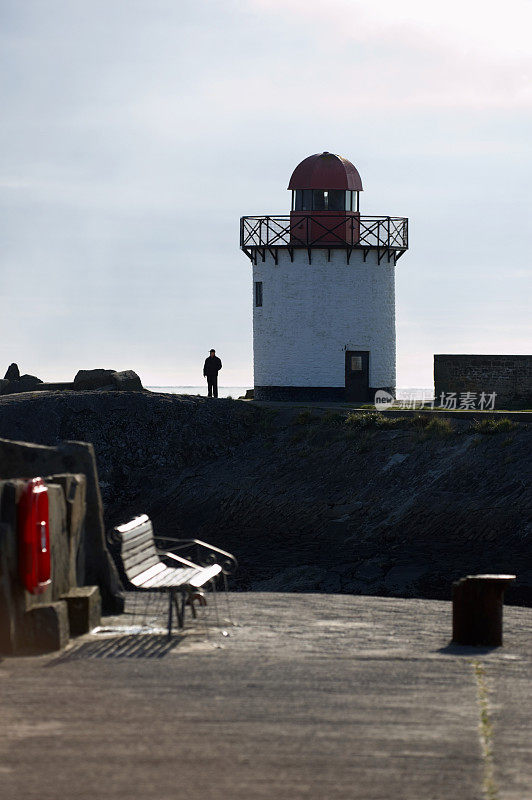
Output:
x,y
509,376
312,313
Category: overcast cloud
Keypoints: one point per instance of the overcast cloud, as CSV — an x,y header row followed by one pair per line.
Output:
x,y
135,134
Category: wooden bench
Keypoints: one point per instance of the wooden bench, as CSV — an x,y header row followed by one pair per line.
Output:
x,y
146,567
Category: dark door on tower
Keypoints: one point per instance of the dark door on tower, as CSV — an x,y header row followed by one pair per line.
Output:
x,y
357,375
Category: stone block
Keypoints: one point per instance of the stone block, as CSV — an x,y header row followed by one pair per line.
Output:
x,y
84,609
127,381
74,490
45,628
8,558
59,543
93,378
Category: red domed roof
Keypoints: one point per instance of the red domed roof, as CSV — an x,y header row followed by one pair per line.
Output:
x,y
325,171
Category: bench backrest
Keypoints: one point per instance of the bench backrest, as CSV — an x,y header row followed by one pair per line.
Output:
x,y
137,546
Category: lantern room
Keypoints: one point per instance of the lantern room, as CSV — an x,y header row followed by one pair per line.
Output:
x,y
325,182
325,200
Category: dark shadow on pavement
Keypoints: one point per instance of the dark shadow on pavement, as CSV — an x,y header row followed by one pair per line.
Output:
x,y
131,646
453,649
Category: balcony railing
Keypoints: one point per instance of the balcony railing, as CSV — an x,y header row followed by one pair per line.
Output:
x,y
387,234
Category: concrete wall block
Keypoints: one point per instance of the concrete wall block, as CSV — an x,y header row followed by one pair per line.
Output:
x,y
30,460
7,601
15,601
40,622
59,541
46,628
74,490
84,609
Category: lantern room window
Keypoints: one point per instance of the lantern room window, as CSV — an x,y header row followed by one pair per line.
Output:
x,y
336,200
319,200
324,200
303,199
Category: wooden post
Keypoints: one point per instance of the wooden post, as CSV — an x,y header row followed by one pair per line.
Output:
x,y
477,609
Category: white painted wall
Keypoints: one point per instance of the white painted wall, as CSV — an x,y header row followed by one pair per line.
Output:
x,y
312,313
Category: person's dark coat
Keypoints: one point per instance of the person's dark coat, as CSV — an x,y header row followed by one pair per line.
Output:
x,y
212,367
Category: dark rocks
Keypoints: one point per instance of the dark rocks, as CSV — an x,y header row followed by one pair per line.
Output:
x,y
14,382
25,383
93,379
13,373
126,381
28,382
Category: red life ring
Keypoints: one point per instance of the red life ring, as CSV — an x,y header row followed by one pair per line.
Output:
x,y
34,537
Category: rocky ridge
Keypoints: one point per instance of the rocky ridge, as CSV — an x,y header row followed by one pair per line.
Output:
x,y
307,502
107,379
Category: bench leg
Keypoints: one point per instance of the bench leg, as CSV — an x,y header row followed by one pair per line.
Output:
x,y
171,599
180,609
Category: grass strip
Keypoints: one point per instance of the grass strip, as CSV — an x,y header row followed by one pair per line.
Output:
x,y
489,785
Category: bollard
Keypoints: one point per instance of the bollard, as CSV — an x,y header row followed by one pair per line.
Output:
x,y
477,609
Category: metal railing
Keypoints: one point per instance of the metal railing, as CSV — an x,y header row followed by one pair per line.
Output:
x,y
312,230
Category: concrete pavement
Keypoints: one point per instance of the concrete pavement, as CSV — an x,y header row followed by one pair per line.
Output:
x,y
309,696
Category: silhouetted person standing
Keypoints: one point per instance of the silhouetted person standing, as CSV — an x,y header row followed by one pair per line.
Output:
x,y
211,368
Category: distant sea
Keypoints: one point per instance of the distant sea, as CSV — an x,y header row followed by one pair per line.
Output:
x,y
403,392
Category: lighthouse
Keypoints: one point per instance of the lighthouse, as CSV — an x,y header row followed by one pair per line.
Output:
x,y
324,289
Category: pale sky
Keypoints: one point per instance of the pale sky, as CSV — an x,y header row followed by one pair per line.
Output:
x,y
136,133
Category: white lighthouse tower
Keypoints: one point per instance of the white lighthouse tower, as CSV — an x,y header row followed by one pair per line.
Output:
x,y
323,289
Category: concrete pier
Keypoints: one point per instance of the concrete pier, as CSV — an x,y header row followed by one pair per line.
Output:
x,y
310,696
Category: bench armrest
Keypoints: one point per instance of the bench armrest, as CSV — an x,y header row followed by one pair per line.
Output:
x,y
178,558
207,554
